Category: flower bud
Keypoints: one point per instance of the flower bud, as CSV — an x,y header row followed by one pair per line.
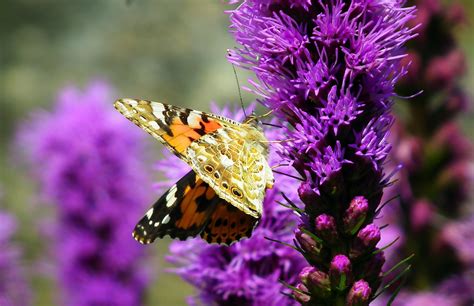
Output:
x,y
366,240
369,235
299,294
355,215
306,193
421,215
305,272
340,272
359,295
316,281
306,242
311,247
326,228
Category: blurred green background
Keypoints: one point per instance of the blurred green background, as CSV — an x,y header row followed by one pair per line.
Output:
x,y
170,51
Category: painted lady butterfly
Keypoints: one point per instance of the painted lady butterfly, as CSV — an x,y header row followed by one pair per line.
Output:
x,y
221,198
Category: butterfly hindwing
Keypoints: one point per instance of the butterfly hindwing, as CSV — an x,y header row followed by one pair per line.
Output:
x,y
233,162
175,127
183,211
191,207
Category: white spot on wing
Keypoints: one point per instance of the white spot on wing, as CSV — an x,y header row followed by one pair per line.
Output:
x,y
149,213
193,120
157,223
170,197
226,162
224,134
158,110
201,158
166,219
211,140
154,125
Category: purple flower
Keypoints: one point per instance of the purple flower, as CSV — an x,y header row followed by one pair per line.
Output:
x,y
329,68
14,290
248,272
88,161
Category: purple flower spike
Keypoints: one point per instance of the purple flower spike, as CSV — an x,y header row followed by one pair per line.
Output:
x,y
355,215
434,187
77,151
360,293
340,272
328,70
326,228
14,290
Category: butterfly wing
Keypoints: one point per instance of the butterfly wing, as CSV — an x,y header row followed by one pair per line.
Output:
x,y
182,211
232,160
175,127
191,207
227,225
230,171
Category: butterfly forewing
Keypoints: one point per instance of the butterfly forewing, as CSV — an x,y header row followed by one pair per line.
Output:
x,y
175,127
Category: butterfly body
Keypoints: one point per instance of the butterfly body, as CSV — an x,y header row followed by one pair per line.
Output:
x,y
221,198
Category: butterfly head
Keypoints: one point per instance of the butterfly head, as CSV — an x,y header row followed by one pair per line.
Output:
x,y
253,120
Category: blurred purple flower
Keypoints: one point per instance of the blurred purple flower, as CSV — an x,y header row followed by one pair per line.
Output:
x,y
248,272
459,235
436,177
88,161
14,290
329,68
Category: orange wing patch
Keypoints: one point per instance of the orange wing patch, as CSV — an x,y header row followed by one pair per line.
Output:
x,y
196,205
228,224
176,127
180,135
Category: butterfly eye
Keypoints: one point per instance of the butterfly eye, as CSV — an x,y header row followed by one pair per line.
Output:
x,y
237,192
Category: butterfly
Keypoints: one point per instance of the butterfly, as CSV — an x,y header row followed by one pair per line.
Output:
x,y
221,198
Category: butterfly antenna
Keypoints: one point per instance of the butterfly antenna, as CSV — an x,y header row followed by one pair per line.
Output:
x,y
238,88
271,124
